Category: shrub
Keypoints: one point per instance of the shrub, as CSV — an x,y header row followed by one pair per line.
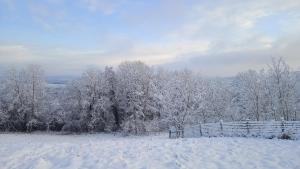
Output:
x,y
72,127
34,125
285,136
56,125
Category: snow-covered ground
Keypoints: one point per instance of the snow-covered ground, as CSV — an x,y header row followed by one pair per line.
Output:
x,y
41,151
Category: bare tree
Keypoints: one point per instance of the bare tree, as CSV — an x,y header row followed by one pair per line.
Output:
x,y
250,89
282,89
180,98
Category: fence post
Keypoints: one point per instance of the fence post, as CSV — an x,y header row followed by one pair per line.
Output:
x,y
221,126
282,124
248,126
200,130
208,128
170,133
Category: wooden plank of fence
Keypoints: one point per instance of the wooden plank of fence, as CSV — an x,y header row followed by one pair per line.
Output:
x,y
258,128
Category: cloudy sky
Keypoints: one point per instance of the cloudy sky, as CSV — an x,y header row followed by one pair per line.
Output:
x,y
214,37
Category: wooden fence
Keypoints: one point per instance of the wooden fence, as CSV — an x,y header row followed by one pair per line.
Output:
x,y
266,129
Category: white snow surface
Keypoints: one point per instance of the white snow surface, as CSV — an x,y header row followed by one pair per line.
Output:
x,y
45,151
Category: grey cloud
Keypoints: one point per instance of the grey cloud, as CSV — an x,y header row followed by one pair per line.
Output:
x,y
229,63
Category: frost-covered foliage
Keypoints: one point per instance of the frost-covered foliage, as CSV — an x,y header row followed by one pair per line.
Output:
x,y
136,98
87,103
23,99
267,95
181,98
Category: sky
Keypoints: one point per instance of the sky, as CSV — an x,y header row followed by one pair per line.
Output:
x,y
213,37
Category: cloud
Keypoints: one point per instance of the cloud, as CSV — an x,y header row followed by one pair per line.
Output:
x,y
73,61
230,62
214,37
54,60
235,41
106,7
15,53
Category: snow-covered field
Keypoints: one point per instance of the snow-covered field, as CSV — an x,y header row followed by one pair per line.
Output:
x,y
41,151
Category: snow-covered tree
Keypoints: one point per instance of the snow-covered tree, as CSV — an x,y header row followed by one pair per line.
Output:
x,y
282,86
14,100
251,94
24,97
137,98
35,88
87,103
215,101
179,100
134,95
110,88
54,114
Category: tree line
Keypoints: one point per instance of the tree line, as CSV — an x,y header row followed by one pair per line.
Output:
x,y
135,98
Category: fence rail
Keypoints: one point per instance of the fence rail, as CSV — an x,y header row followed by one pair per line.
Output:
x,y
267,129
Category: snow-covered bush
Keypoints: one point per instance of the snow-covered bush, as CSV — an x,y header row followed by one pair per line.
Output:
x,y
286,136
72,127
55,125
34,125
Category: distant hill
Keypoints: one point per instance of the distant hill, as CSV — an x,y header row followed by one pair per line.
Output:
x,y
59,79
